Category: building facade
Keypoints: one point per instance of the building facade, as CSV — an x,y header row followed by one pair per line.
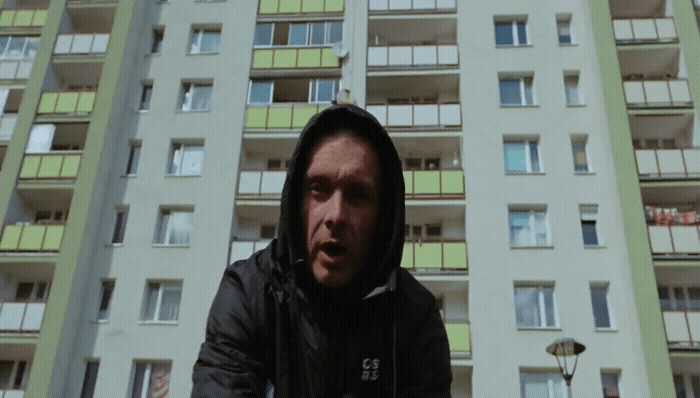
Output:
x,y
550,161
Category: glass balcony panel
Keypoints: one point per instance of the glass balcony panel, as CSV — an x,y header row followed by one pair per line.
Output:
x,y
241,250
646,162
423,4
329,59
379,112
33,316
7,126
86,101
279,117
408,181
285,58
676,327
11,315
6,18
623,29
400,55
428,255
447,55
450,115
52,238
25,67
680,91
32,238
82,44
425,55
644,29
656,92
458,337
249,182
8,69
290,6
694,324
671,161
377,56
454,255
660,237
407,257
10,237
400,115
262,59
334,5
50,166
426,181
30,166
666,29
24,17
312,6
634,92
685,239
67,101
256,117
425,115
692,161
268,6
99,43
14,394
399,4
446,4
272,182
309,58
452,182
378,5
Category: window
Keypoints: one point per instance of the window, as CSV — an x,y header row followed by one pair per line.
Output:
x,y
133,162
511,33
679,384
105,299
196,96
564,30
13,375
528,227
263,34
516,91
157,42
90,379
151,380
162,302
315,33
120,225
205,41
18,47
534,307
186,159
260,92
679,298
601,307
589,220
174,227
611,387
146,92
31,291
298,33
323,90
572,90
274,164
522,156
541,385
579,148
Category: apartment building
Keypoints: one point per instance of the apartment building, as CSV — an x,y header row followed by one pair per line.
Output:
x,y
550,161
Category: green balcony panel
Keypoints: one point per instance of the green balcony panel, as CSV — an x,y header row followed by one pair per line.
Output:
x,y
427,181
290,6
6,18
256,117
458,337
334,5
10,237
32,238
407,257
286,58
454,255
30,166
262,59
39,17
52,241
408,181
313,6
328,59
67,102
50,166
302,114
428,255
279,118
70,166
452,181
48,102
24,18
268,6
86,102
309,58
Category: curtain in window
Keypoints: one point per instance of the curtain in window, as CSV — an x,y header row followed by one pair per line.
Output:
x,y
40,138
510,91
170,303
201,97
515,156
571,88
519,228
534,157
527,307
541,238
210,41
160,381
180,224
579,151
192,160
175,166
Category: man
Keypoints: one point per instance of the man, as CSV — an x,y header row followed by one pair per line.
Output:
x,y
326,310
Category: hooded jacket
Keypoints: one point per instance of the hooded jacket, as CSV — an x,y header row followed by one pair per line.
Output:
x,y
272,325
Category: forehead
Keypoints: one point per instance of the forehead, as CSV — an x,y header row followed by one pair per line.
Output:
x,y
343,155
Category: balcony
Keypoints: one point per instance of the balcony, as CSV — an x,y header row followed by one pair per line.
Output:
x,y
54,165
81,44
31,238
435,256
22,18
15,69
682,328
272,7
287,116
657,93
409,6
674,241
668,163
295,58
66,102
21,317
7,126
459,337
413,116
645,31
408,57
242,249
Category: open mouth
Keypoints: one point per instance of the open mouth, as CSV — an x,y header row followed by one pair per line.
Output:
x,y
333,249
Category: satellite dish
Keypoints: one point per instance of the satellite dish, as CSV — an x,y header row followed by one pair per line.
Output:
x,y
339,50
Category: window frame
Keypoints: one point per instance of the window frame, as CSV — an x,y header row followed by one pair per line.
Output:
x,y
158,305
88,390
272,92
587,213
552,377
611,319
532,217
579,91
523,80
132,162
157,37
582,139
198,32
528,142
179,149
272,35
187,96
515,32
144,105
118,233
541,305
166,230
565,19
314,90
27,39
102,315
146,377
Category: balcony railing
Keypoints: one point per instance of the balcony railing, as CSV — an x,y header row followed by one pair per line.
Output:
x,y
261,184
14,393
52,165
412,56
28,18
417,115
431,256
242,249
31,238
668,163
300,6
7,126
81,44
281,116
11,69
657,93
645,30
411,5
676,240
66,102
16,317
459,338
294,58
682,328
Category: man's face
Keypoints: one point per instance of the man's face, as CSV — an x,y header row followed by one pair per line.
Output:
x,y
340,207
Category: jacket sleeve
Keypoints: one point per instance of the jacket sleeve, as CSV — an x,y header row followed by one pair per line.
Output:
x,y
230,361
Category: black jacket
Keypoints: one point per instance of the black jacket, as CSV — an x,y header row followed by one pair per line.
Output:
x,y
380,335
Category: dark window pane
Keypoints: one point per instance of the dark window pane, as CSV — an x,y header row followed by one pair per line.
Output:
x,y
133,164
590,237
504,33
335,33
263,34
522,33
510,91
601,312
90,379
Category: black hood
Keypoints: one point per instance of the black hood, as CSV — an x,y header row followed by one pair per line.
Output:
x,y
385,254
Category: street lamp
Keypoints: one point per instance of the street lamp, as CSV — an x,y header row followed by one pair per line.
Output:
x,y
563,348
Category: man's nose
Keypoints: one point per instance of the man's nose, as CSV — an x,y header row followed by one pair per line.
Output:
x,y
336,211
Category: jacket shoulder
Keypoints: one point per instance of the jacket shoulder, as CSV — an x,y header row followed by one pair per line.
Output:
x,y
416,295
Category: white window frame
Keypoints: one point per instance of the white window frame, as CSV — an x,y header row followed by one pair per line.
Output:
x,y
187,95
168,228
272,35
307,41
675,301
272,91
532,241
528,159
27,39
590,212
178,150
611,318
313,96
198,33
541,304
579,90
100,317
521,80
551,375
516,34
566,19
162,287
148,367
582,140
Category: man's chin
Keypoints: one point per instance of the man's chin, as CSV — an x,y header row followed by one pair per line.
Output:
x,y
329,277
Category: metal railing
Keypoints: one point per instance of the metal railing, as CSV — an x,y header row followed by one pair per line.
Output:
x,y
281,116
411,5
81,43
682,328
22,18
418,115
657,93
412,56
668,163
31,238
300,6
435,255
67,102
21,317
51,165
645,30
15,69
674,241
294,58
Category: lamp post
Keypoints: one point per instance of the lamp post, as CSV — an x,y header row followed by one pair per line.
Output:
x,y
566,347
